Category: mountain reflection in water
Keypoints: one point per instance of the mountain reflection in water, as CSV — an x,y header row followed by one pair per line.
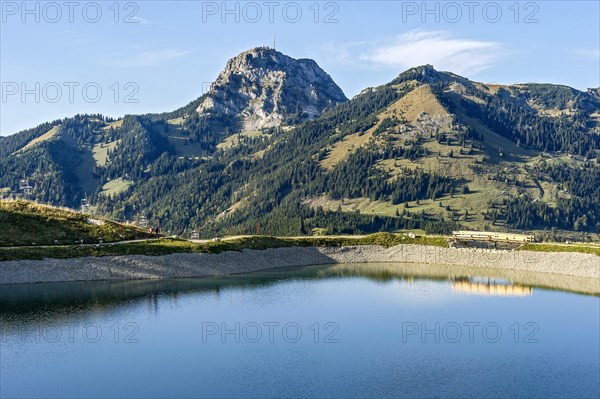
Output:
x,y
55,300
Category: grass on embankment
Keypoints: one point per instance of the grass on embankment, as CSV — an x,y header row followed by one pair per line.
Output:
x,y
28,223
560,248
167,246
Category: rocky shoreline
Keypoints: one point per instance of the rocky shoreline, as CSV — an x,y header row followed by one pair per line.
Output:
x,y
184,265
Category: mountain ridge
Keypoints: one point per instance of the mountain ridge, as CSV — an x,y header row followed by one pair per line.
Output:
x,y
429,150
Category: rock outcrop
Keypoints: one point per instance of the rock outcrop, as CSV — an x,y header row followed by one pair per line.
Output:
x,y
264,88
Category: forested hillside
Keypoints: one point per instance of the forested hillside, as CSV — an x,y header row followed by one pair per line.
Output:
x,y
430,150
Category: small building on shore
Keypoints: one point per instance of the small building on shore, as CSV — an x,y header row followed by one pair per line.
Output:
x,y
491,236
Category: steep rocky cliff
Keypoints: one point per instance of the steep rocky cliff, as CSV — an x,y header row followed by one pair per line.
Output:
x,y
265,87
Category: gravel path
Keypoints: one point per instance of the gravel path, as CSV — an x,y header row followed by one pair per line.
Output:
x,y
202,265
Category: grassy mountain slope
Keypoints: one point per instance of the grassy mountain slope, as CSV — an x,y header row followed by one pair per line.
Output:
x,y
430,150
27,223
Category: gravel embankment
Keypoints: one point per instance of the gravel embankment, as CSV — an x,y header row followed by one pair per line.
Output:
x,y
202,265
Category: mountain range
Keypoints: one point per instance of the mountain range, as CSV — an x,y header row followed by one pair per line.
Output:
x,y
274,145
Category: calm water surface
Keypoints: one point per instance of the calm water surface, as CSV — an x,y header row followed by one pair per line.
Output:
x,y
323,331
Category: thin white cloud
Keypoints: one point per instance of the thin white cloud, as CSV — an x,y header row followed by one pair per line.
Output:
x,y
139,20
593,54
419,47
148,58
439,48
344,54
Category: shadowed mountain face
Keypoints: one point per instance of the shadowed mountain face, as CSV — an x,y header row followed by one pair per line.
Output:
x,y
274,142
263,87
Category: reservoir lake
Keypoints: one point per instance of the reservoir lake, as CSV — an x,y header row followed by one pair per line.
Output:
x,y
346,330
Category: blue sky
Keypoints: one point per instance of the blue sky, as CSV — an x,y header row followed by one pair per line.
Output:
x,y
158,55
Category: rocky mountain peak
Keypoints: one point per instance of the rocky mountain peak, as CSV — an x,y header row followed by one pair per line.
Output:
x,y
265,87
429,75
